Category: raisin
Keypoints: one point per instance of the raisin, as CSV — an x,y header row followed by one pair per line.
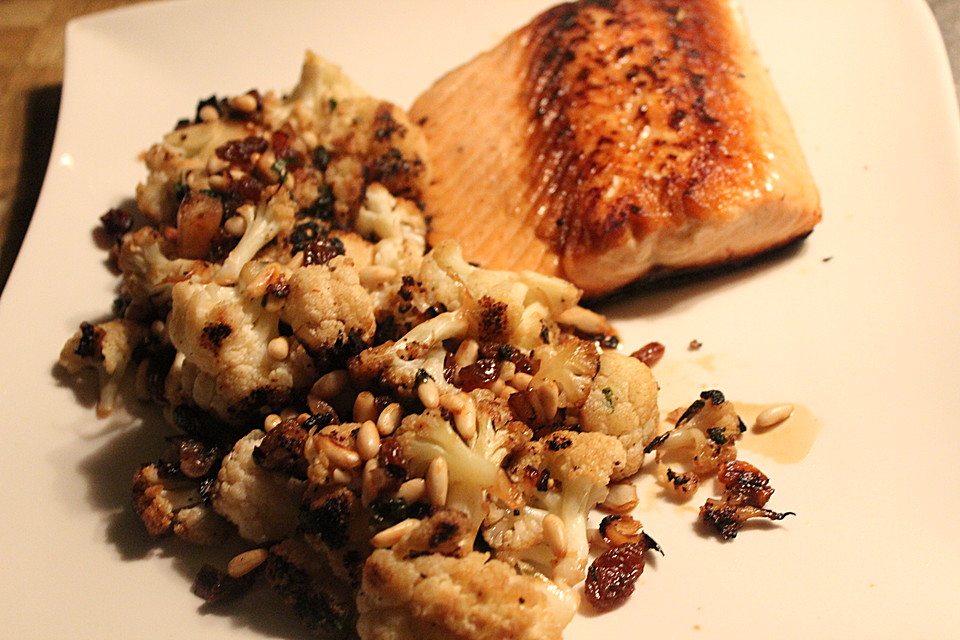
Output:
x,y
649,354
612,577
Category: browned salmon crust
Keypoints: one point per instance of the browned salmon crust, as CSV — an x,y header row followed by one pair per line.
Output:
x,y
609,139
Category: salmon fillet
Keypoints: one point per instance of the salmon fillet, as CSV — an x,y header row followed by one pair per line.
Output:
x,y
609,141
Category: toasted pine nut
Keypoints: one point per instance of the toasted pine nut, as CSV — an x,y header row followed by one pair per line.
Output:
x,y
622,498
364,407
412,490
218,182
547,399
521,381
339,455
329,385
242,564
466,420
555,535
507,371
209,113
340,476
466,353
396,533
389,419
773,415
438,481
278,348
216,164
368,440
374,275
452,401
235,226
429,394
271,421
245,102
589,322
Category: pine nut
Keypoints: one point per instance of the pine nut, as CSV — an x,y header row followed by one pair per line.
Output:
x,y
363,407
429,394
521,381
374,275
339,455
271,421
278,348
452,401
242,564
622,498
466,353
235,226
555,535
339,476
330,384
466,420
216,164
396,533
209,113
438,481
389,419
245,102
412,490
368,441
773,415
218,182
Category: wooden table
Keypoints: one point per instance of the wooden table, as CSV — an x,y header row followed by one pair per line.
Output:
x,y
31,70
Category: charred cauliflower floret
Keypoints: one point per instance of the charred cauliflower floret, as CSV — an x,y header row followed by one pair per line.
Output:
x,y
262,224
505,306
563,476
471,477
107,348
263,504
225,336
435,597
176,505
149,270
622,402
704,438
330,313
417,356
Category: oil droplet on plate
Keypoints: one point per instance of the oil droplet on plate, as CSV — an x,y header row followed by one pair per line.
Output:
x,y
787,442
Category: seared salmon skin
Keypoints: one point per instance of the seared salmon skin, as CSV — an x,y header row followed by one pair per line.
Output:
x,y
611,141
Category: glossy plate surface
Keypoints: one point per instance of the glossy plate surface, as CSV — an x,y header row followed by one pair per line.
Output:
x,y
858,326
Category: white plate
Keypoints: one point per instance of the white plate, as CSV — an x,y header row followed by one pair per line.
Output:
x,y
867,340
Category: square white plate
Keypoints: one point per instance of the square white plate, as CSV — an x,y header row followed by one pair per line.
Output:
x,y
859,325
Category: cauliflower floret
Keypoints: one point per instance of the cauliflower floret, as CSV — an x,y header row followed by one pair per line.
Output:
x,y
404,364
435,597
167,504
703,439
509,307
427,436
223,335
330,313
149,274
183,150
106,348
566,474
623,402
264,505
263,223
